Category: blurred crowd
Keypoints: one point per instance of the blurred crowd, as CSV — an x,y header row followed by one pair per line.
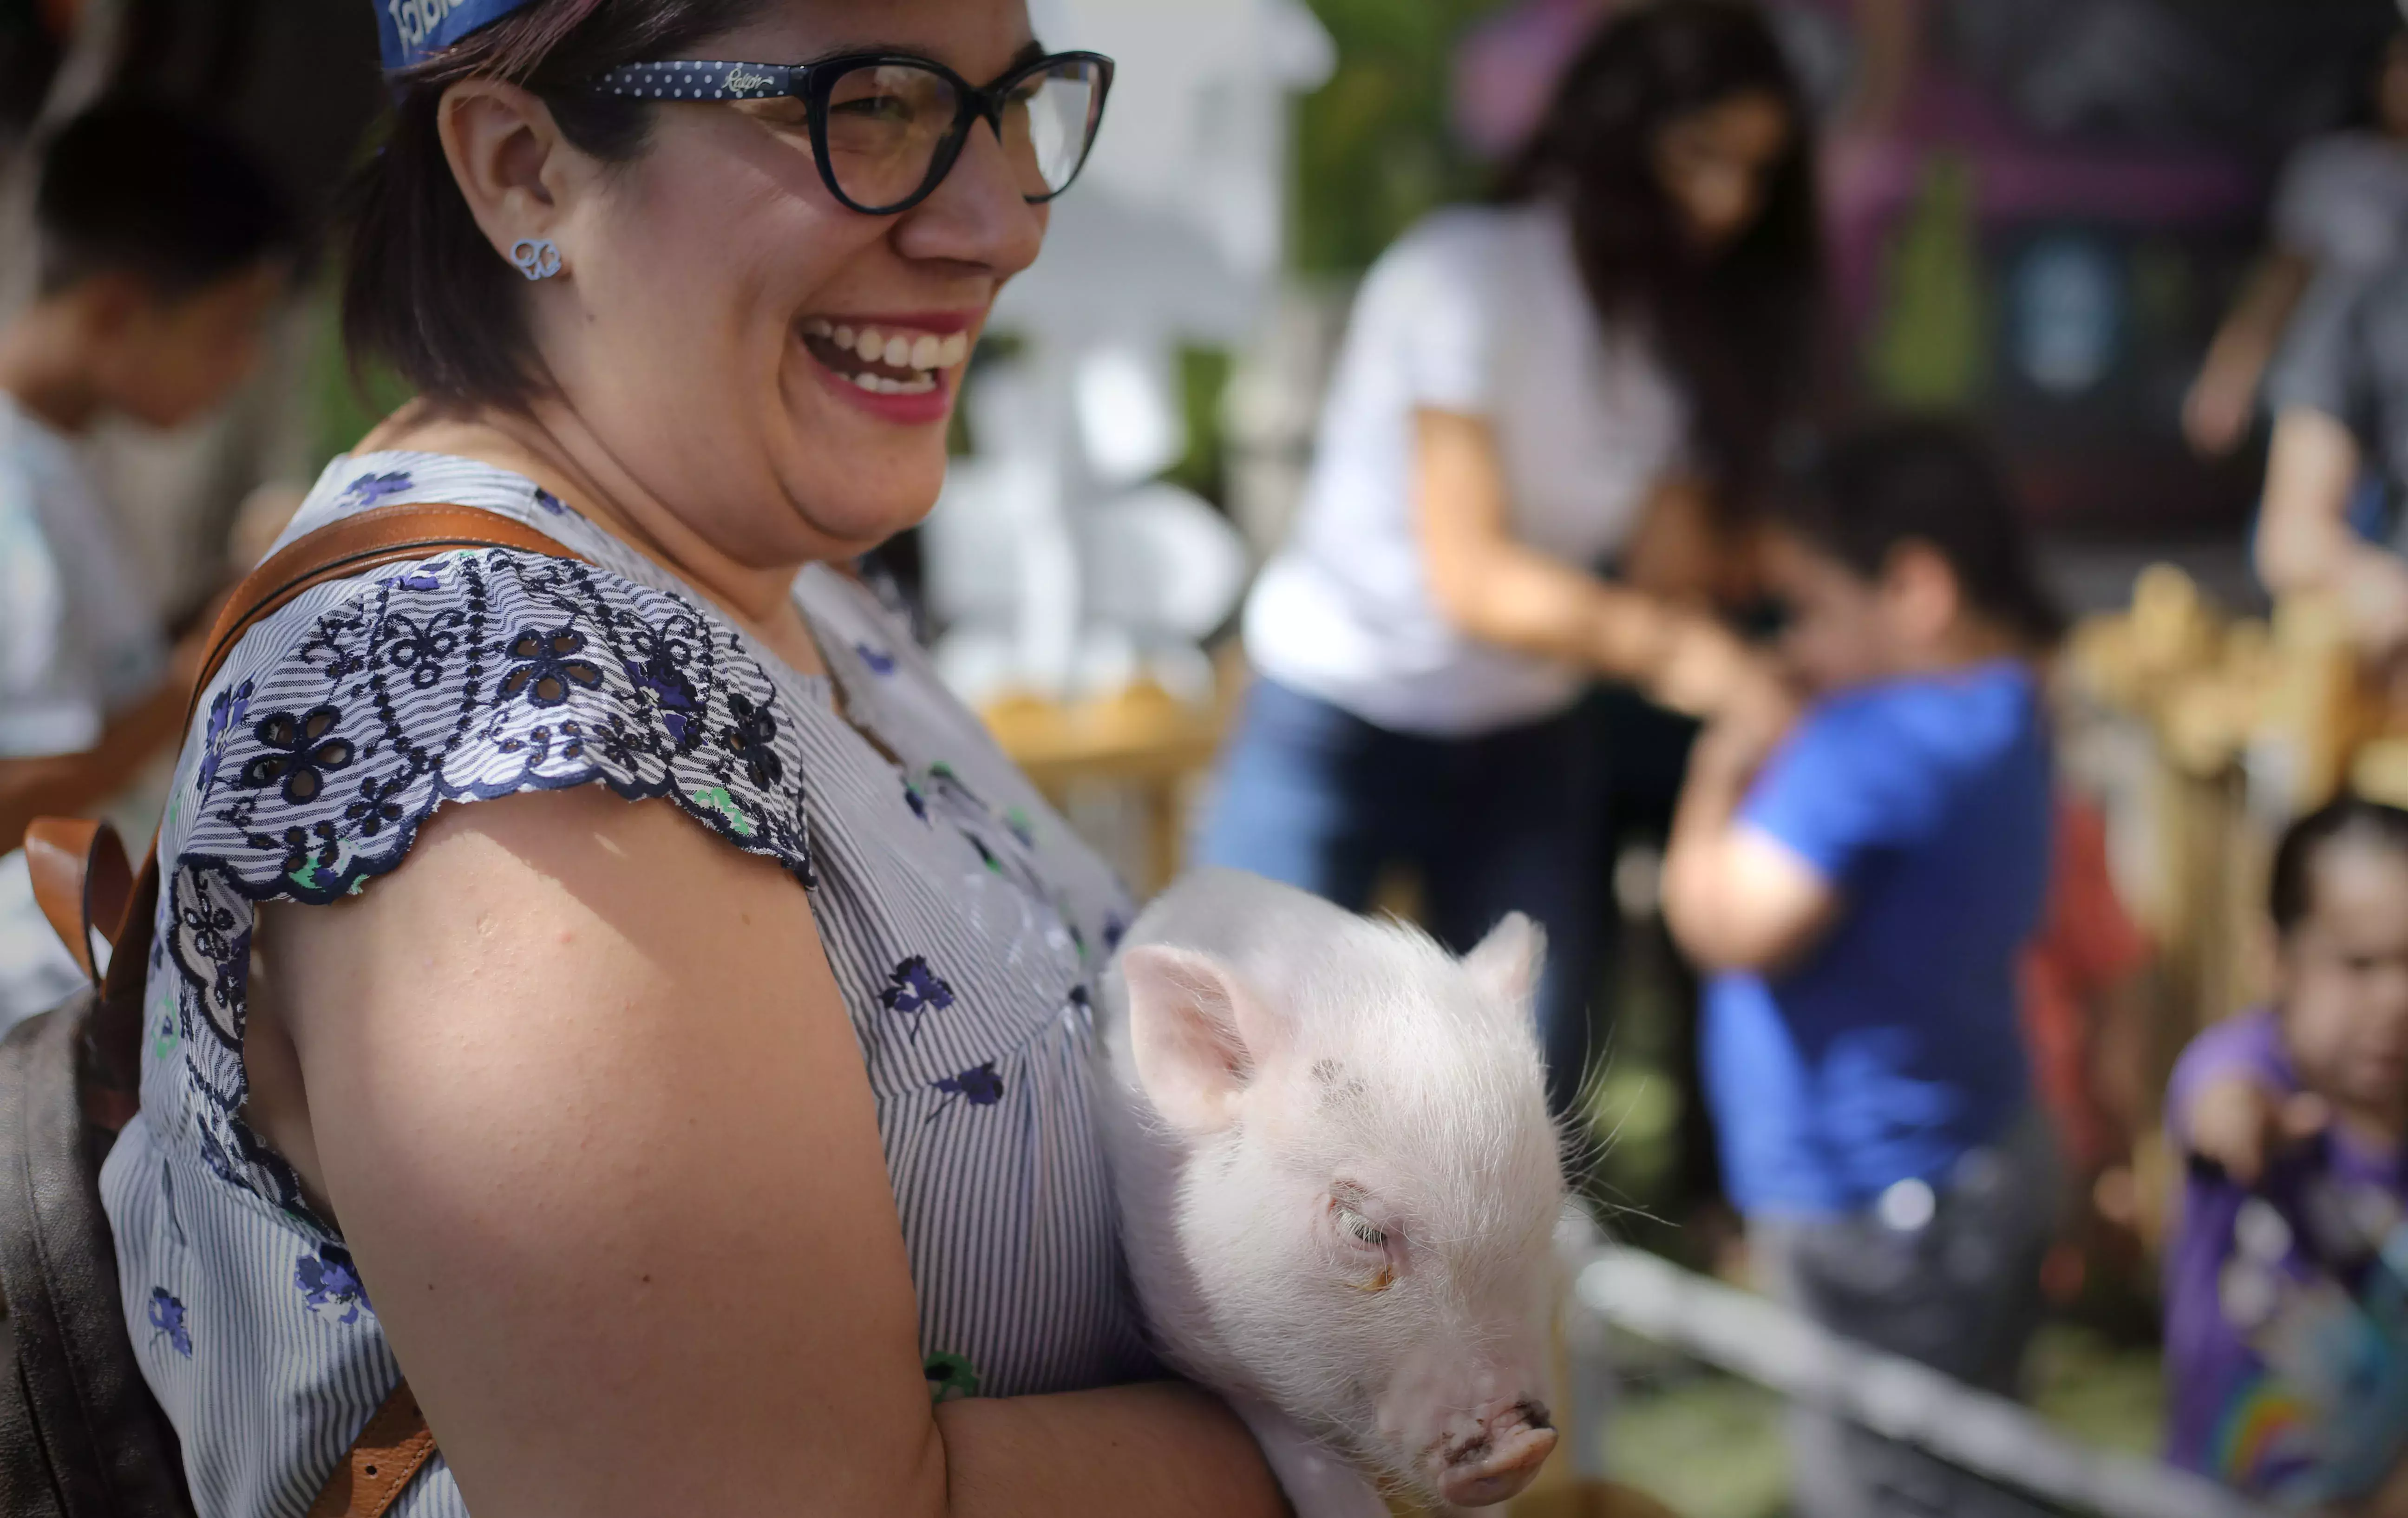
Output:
x,y
1602,530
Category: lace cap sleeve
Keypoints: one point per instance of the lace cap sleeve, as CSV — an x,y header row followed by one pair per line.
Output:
x,y
479,674
346,720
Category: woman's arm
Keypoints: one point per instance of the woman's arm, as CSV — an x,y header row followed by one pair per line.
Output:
x,y
2224,397
580,1087
2305,544
1500,590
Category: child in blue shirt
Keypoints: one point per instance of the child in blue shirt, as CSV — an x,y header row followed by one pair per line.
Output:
x,y
1860,889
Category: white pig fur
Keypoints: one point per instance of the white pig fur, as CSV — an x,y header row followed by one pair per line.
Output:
x,y
1338,1184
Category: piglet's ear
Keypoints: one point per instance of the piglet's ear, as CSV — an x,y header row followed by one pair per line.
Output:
x,y
1197,1034
1506,965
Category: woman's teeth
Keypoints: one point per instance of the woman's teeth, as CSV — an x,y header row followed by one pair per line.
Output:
x,y
859,354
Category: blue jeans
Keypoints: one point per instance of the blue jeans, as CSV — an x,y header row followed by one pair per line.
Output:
x,y
1313,796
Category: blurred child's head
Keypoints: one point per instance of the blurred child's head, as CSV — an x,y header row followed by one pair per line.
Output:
x,y
2340,904
1900,551
163,243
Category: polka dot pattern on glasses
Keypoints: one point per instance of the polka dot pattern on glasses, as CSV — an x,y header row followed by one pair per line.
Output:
x,y
697,80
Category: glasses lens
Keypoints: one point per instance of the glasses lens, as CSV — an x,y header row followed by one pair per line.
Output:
x,y
1049,122
885,122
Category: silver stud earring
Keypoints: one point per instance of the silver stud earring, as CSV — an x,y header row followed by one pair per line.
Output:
x,y
538,258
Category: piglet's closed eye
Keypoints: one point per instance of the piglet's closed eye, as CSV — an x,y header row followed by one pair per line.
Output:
x,y
1507,964
1198,1033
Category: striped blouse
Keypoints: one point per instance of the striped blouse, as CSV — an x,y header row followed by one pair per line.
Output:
x,y
964,924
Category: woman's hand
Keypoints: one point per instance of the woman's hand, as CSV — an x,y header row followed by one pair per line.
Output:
x,y
1498,589
579,1085
2305,544
1757,709
2222,400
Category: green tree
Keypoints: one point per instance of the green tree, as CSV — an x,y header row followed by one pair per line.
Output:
x,y
1373,150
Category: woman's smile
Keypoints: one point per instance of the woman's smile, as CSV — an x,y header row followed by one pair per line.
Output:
x,y
901,368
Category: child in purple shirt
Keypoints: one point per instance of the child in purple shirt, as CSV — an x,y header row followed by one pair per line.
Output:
x,y
2286,1279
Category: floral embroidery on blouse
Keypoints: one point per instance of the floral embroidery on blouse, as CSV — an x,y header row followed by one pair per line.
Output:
x,y
537,673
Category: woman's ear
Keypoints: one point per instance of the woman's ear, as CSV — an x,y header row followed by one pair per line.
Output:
x,y
514,168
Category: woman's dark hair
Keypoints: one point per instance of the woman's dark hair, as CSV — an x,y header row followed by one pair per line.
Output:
x,y
425,292
134,187
1924,481
1737,329
2346,817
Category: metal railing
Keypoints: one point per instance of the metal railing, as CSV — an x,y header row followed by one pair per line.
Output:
x,y
1762,1341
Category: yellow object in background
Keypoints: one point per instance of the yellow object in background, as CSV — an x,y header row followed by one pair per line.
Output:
x,y
1932,350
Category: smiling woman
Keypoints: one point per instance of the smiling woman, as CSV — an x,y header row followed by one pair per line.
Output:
x,y
705,1108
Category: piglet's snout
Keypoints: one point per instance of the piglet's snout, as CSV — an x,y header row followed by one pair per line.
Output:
x,y
1497,1455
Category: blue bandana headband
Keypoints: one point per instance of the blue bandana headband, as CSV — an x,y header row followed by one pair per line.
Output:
x,y
413,31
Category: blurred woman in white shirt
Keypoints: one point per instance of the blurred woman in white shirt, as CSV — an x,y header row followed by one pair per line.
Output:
x,y
1542,436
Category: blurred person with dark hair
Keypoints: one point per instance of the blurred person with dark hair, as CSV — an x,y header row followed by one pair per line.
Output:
x,y
2341,212
1862,888
161,249
1855,59
1593,369
2287,1274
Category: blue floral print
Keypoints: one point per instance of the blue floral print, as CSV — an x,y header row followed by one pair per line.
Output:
x,y
915,991
329,1279
881,663
672,692
167,1321
226,712
981,1086
370,489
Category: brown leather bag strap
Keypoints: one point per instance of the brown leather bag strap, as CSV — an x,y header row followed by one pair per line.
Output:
x,y
392,1448
82,881
353,546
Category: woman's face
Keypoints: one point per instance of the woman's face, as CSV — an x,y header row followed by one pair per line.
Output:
x,y
1716,164
709,279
